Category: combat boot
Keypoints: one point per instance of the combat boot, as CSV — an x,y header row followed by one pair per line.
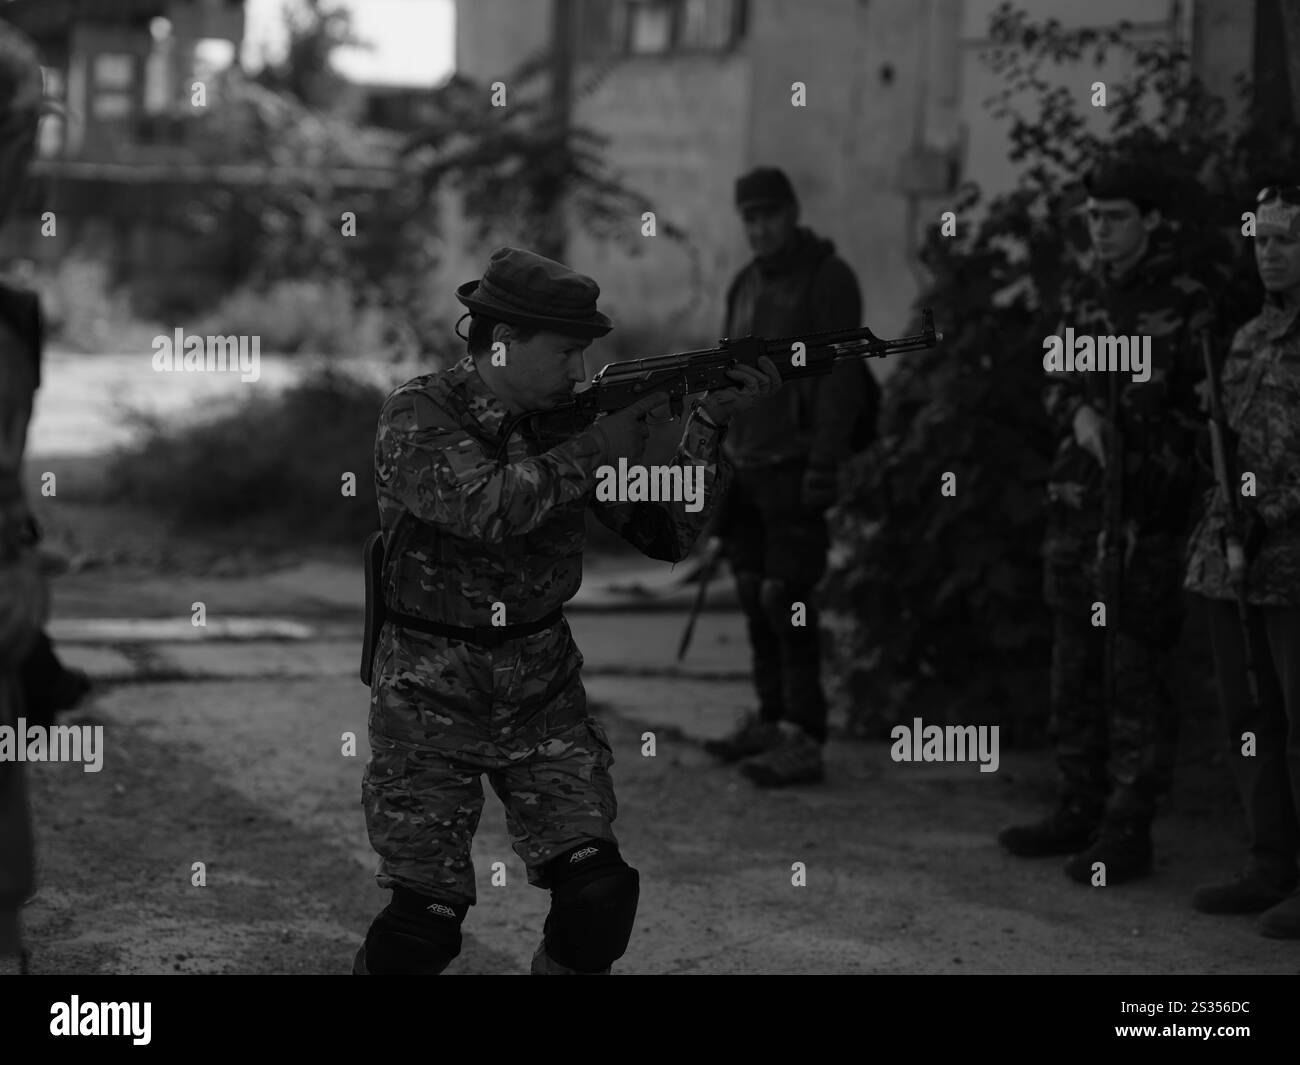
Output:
x,y
1283,920
1070,828
1250,892
752,735
1123,847
795,759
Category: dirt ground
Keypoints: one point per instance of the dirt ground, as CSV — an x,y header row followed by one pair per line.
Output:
x,y
230,755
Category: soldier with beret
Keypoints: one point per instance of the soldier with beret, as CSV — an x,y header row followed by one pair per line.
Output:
x,y
478,531
1115,750
787,452
1261,401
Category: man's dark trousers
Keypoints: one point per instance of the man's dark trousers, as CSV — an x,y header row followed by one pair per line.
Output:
x,y
777,549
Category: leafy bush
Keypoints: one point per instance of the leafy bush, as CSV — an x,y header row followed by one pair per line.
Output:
x,y
275,462
934,603
82,310
318,317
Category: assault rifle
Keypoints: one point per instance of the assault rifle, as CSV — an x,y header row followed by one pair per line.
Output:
x,y
621,384
1234,530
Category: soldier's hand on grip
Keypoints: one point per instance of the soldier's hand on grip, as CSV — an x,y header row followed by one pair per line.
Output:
x,y
754,384
624,433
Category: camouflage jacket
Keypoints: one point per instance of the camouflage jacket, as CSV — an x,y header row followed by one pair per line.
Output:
x,y
462,532
1261,400
1158,418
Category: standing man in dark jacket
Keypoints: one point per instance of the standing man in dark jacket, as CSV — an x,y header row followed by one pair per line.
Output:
x,y
786,452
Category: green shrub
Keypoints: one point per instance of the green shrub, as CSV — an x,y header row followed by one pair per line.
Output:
x,y
274,463
316,317
83,312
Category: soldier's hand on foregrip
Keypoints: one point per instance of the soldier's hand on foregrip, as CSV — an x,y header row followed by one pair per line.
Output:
x,y
624,433
753,386
1089,433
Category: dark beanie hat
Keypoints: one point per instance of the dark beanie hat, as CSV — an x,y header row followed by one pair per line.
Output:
x,y
1123,179
764,185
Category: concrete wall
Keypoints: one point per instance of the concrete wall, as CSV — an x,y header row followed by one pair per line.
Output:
x,y
677,136
865,66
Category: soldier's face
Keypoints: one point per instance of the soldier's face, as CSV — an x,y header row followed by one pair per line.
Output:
x,y
769,227
1119,231
1277,254
540,373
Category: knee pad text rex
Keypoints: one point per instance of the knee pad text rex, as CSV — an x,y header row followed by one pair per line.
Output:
x,y
413,935
594,895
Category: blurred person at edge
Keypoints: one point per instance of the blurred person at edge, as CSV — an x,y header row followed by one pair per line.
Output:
x,y
23,596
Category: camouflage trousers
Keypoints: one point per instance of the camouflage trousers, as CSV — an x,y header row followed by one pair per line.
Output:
x,y
1120,757
1269,778
442,714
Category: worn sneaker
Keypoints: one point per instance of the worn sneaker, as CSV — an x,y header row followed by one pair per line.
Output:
x,y
751,736
1283,920
1124,848
795,759
1247,893
1067,830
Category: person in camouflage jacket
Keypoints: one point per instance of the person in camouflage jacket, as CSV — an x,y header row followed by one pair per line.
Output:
x,y
1261,401
1115,756
476,670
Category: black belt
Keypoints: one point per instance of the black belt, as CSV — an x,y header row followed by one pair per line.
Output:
x,y
483,635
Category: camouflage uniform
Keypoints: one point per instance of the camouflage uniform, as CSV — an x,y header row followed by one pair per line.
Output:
x,y
1261,399
462,534
1123,763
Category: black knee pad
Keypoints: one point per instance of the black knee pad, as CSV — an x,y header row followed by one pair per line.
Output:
x,y
594,895
414,935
